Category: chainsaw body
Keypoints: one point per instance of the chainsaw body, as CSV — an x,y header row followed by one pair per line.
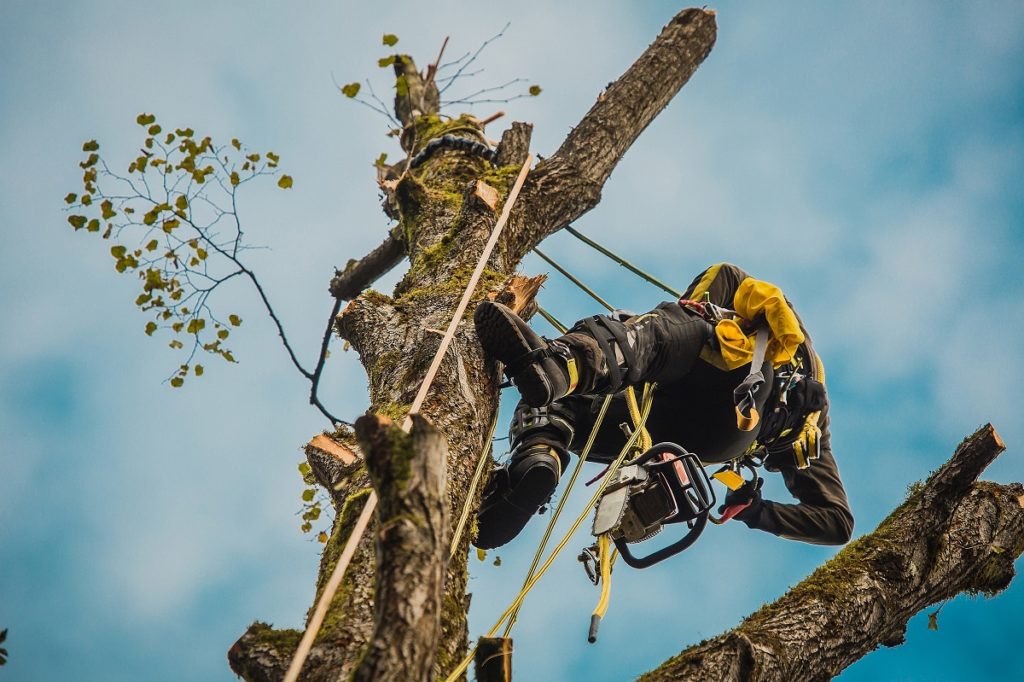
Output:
x,y
664,485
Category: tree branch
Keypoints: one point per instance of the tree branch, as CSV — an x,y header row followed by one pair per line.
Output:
x,y
569,183
360,274
952,535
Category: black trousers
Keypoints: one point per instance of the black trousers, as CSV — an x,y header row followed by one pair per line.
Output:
x,y
693,405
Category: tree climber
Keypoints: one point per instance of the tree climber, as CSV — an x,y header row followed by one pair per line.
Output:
x,y
699,350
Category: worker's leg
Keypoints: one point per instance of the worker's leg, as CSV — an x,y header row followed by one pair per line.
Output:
x,y
541,439
599,355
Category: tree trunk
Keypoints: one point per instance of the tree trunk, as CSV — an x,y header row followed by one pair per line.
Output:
x,y
952,535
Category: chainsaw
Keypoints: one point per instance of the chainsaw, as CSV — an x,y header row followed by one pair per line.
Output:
x,y
664,485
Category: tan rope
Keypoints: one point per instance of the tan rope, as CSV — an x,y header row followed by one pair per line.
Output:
x,y
357,533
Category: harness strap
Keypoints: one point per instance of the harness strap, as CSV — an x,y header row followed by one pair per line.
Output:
x,y
745,395
604,330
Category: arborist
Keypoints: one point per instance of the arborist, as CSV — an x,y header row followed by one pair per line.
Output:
x,y
715,398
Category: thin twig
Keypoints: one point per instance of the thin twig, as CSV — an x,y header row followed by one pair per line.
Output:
x,y
475,55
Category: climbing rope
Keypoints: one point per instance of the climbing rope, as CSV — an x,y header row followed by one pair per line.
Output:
x,y
581,460
477,475
623,262
630,446
371,502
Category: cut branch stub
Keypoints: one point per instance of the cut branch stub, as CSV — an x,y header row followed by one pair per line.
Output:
x,y
413,96
408,472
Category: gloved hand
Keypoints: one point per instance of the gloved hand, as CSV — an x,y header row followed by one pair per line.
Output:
x,y
744,502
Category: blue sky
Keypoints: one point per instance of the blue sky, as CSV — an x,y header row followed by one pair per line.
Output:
x,y
864,157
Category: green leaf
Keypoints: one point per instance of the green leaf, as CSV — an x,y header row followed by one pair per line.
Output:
x,y
235,179
350,90
143,299
152,245
306,527
93,225
185,132
70,198
170,224
534,90
304,468
386,61
201,254
322,538
198,370
389,39
150,328
235,143
107,209
177,382
381,160
176,344
118,251
308,494
223,334
181,202
77,221
235,320
196,325
91,146
145,119
86,200
401,87
285,182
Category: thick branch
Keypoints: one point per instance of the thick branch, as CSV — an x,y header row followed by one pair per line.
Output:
x,y
360,274
408,472
952,535
569,183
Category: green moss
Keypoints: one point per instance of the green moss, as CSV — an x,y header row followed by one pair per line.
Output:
x,y
394,411
285,642
343,527
376,298
457,283
501,179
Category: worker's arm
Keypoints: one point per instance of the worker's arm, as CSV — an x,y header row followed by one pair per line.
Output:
x,y
822,515
719,282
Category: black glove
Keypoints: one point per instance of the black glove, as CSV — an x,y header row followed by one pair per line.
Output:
x,y
750,494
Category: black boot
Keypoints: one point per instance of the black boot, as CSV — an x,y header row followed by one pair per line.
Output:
x,y
515,493
543,371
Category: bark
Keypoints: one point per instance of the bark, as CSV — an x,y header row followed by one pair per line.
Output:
x,y
408,472
953,534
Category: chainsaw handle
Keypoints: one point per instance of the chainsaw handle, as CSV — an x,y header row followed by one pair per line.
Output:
x,y
665,552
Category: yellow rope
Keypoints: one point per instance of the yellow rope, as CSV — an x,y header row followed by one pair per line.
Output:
x,y
464,517
561,504
628,447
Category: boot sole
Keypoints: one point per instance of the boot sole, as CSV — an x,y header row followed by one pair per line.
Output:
x,y
498,523
502,337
